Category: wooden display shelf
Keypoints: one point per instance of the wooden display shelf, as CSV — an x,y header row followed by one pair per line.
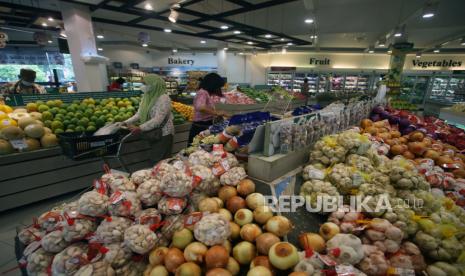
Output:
x,y
33,176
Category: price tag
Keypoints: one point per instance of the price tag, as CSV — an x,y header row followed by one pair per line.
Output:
x,y
116,197
175,204
329,261
397,271
19,144
193,218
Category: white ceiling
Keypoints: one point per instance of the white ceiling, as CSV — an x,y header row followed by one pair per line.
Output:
x,y
338,23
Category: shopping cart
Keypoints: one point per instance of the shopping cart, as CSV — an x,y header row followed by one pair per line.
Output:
x,y
84,145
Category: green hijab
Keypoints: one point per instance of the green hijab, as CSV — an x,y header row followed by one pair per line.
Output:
x,y
155,88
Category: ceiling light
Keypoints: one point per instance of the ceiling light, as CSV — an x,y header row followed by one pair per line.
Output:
x,y
418,55
237,32
225,48
173,17
309,21
313,36
44,24
145,45
224,27
175,50
241,53
436,51
63,33
381,45
429,10
382,42
428,15
50,42
268,36
389,51
100,36
148,6
398,34
203,41
462,42
282,39
249,42
167,30
371,49
51,19
289,44
100,49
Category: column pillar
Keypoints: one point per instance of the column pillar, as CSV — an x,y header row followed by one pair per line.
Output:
x,y
90,77
221,58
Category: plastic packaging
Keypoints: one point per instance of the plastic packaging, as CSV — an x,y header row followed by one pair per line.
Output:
x,y
49,221
149,192
149,217
138,177
68,261
118,182
233,176
201,157
177,184
204,180
93,204
285,138
118,254
171,224
212,229
79,228
140,239
171,205
124,204
111,230
30,234
100,268
54,242
38,262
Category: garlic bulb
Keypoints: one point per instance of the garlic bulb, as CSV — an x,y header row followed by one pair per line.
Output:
x,y
161,169
93,204
140,239
177,184
100,268
68,261
149,192
118,254
48,221
233,176
54,242
118,182
148,217
38,262
201,157
212,229
124,204
111,230
77,229
138,177
30,234
132,268
204,180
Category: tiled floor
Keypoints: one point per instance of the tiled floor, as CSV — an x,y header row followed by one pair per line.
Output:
x,y
18,217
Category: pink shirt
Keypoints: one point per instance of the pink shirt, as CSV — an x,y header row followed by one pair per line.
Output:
x,y
202,99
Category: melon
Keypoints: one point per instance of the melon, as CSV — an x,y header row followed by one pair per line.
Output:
x,y
47,130
49,140
18,115
34,130
25,121
36,115
12,133
32,144
20,110
5,147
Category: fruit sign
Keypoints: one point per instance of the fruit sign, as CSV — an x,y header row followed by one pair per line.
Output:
x,y
3,39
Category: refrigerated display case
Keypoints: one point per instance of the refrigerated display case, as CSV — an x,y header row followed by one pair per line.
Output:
x,y
445,91
363,82
439,88
323,83
350,84
283,79
299,80
336,83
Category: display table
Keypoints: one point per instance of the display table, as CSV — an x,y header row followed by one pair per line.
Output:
x,y
452,117
273,107
32,176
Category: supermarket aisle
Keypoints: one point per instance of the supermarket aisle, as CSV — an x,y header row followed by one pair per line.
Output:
x,y
13,219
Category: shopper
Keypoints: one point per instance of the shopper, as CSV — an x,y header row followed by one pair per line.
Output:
x,y
117,85
204,108
154,120
26,84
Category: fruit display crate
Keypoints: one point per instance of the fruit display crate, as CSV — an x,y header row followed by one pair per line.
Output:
x,y
21,100
33,176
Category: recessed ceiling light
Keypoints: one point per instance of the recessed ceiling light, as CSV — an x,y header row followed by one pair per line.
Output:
x,y
167,30
50,41
249,42
148,6
290,44
398,34
44,24
309,21
175,50
100,49
389,51
203,41
145,45
241,53
225,48
282,39
313,36
224,27
51,19
436,51
268,36
100,37
237,32
428,15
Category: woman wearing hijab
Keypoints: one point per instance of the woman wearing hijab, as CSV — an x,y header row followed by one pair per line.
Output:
x,y
154,112
204,108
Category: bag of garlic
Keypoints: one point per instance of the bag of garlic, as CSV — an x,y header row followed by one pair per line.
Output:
x,y
124,204
93,204
30,234
118,182
118,254
38,262
138,177
161,169
100,268
132,268
77,227
233,176
68,261
212,229
150,217
140,238
177,184
204,180
149,192
54,242
171,224
171,205
201,157
48,221
111,229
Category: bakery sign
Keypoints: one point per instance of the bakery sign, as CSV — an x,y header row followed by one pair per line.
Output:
x,y
180,61
436,63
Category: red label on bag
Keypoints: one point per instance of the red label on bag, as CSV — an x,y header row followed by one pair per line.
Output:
x,y
192,218
196,180
328,260
218,169
175,204
100,186
116,197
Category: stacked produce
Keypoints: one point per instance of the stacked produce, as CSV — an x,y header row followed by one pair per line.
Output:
x,y
261,96
407,239
458,107
21,130
234,97
186,111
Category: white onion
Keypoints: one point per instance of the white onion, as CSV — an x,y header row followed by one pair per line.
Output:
x,y
254,200
259,271
279,225
262,214
189,269
195,252
283,255
235,230
233,266
225,214
226,192
208,205
182,238
250,232
157,255
329,230
244,252
243,216
246,187
265,241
